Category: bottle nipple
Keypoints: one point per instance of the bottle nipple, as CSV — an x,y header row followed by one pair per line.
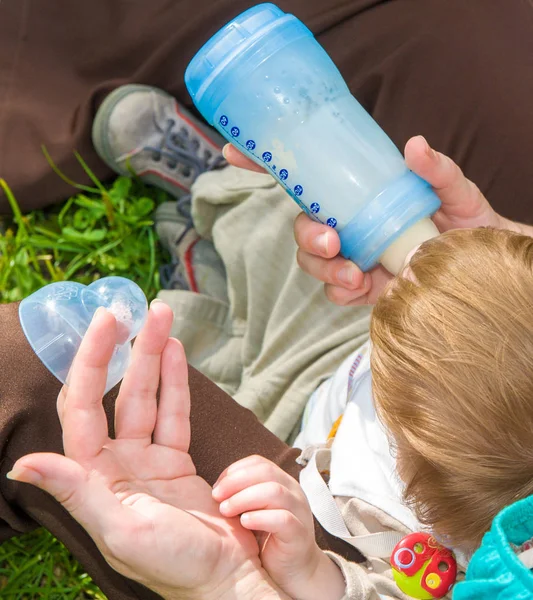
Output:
x,y
56,317
396,255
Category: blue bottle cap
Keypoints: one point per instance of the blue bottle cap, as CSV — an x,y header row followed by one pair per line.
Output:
x,y
56,317
383,220
236,50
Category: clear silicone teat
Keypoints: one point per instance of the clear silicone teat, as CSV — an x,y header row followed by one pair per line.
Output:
x,y
56,317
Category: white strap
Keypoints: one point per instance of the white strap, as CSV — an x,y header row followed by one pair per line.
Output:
x,y
327,513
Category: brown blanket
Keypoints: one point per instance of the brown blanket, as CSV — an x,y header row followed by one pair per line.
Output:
x,y
459,72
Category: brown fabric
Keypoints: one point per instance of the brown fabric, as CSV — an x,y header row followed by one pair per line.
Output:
x,y
222,432
458,71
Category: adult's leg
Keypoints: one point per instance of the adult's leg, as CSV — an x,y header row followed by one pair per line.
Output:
x,y
222,432
459,72
59,59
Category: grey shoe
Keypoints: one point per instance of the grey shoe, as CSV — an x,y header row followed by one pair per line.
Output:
x,y
196,265
142,129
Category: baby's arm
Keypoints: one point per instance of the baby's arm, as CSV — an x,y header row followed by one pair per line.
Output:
x,y
269,500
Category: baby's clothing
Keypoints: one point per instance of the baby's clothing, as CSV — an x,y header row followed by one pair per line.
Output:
x,y
279,337
496,572
362,464
342,433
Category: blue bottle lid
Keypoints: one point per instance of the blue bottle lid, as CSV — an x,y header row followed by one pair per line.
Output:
x,y
385,218
235,51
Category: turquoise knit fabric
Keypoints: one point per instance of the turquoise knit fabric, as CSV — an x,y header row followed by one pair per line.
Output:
x,y
495,572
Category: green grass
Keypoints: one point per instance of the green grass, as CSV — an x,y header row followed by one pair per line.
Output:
x,y
101,231
36,565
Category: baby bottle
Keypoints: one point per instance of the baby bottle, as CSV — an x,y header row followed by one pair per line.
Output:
x,y
271,90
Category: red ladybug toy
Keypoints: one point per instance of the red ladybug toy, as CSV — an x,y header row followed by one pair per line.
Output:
x,y
423,568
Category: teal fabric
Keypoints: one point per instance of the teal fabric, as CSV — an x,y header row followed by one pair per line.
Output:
x,y
495,572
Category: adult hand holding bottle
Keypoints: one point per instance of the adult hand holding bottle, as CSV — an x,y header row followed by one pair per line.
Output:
x,y
463,206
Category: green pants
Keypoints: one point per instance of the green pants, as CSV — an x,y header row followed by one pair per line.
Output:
x,y
279,337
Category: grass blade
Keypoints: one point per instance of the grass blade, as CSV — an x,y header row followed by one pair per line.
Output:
x,y
61,175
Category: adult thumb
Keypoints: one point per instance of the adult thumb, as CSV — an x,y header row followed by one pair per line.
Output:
x,y
445,176
84,496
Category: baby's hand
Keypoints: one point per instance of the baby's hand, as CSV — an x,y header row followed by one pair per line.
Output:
x,y
269,500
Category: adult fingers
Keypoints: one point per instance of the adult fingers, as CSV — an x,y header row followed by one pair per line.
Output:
x,y
373,285
60,405
462,201
173,428
343,297
335,271
83,417
237,159
136,405
315,238
86,498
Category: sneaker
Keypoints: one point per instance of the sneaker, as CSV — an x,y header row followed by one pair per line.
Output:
x,y
196,265
144,130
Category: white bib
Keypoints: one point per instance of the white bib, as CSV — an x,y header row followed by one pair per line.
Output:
x,y
362,465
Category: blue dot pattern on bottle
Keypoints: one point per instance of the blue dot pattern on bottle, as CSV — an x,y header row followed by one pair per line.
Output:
x,y
283,174
224,120
298,190
250,145
235,131
315,207
332,222
267,156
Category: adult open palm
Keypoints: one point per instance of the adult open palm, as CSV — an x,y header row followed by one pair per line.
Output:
x,y
138,495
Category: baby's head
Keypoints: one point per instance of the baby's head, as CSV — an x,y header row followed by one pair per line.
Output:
x,y
452,366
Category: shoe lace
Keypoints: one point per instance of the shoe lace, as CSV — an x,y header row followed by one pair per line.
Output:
x,y
181,148
171,278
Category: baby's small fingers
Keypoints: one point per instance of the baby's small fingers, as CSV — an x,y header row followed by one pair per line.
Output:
x,y
281,523
248,474
248,462
344,297
263,496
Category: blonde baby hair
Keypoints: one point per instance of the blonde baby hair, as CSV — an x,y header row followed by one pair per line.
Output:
x,y
452,365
